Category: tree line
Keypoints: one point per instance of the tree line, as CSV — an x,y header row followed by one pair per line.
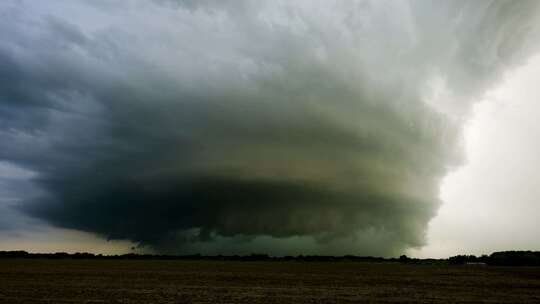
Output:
x,y
502,258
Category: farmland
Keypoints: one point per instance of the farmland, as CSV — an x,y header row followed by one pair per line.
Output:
x,y
162,281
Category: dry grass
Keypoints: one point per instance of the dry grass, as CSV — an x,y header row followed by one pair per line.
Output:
x,y
103,281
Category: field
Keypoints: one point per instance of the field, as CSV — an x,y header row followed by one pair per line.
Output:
x,y
135,281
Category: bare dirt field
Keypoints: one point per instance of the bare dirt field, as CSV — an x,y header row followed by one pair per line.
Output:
x,y
135,281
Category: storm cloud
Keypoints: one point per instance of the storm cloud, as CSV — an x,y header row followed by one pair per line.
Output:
x,y
178,123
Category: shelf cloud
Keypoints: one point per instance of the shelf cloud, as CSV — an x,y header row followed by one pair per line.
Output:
x,y
179,123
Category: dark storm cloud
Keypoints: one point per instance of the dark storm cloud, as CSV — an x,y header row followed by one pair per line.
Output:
x,y
305,119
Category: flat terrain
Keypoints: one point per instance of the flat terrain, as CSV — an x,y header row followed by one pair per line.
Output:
x,y
132,281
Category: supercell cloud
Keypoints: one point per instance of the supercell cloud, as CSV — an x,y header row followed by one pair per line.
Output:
x,y
184,124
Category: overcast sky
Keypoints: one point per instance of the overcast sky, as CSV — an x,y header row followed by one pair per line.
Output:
x,y
305,127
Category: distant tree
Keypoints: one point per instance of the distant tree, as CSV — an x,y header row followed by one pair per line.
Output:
x,y
404,258
515,258
462,259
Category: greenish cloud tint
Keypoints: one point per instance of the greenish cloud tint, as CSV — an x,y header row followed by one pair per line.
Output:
x,y
239,126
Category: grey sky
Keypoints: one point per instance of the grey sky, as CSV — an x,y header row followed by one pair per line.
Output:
x,y
491,203
237,126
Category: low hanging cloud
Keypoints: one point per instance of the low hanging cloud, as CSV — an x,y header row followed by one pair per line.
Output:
x,y
179,123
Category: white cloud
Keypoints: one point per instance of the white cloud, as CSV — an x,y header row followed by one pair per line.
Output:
x,y
493,201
